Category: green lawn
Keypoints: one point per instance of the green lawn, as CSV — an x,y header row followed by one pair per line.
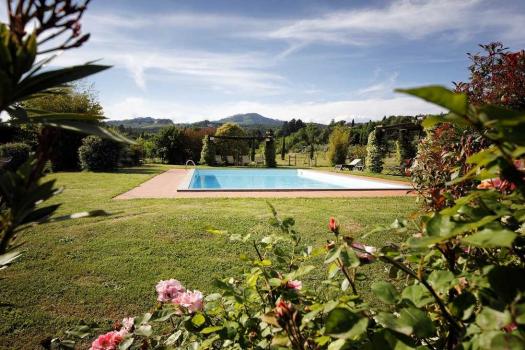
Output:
x,y
106,267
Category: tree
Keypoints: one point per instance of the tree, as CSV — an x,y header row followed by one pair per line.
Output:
x,y
269,152
338,145
231,147
497,77
171,145
283,148
69,99
374,153
310,137
208,151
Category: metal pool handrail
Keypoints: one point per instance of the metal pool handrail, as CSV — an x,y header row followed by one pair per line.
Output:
x,y
190,161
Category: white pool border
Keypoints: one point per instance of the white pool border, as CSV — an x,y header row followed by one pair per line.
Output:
x,y
185,184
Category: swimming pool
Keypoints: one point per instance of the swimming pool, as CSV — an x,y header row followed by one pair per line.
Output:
x,y
278,180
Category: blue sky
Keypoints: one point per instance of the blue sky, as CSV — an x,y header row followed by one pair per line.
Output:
x,y
316,60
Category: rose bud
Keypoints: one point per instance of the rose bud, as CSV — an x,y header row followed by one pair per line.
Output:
x,y
283,309
332,225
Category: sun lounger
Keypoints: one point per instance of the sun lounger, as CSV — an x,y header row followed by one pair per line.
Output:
x,y
245,160
259,160
355,164
230,160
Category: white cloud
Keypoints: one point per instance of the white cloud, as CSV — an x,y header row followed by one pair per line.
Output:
x,y
380,88
244,73
410,19
322,112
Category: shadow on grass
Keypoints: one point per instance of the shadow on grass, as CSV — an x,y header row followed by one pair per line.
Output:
x,y
143,169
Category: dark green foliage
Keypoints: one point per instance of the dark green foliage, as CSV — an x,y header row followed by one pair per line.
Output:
x,y
17,152
27,134
208,151
131,155
283,148
227,147
404,147
374,153
171,146
64,153
269,153
97,154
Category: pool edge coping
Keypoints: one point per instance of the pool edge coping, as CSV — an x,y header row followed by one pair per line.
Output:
x,y
184,186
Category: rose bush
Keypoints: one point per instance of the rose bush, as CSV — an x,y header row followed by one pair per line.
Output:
x,y
455,283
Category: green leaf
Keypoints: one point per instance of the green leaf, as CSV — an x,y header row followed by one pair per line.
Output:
x,y
441,280
173,338
492,236
417,294
440,96
162,315
505,341
198,319
81,331
126,343
52,78
89,129
490,319
8,258
386,292
411,321
419,321
211,329
333,255
339,344
463,306
301,271
344,324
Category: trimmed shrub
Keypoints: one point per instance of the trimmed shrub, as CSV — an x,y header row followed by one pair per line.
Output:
x,y
283,148
17,151
98,154
208,151
171,146
269,153
132,155
231,147
338,145
374,153
64,155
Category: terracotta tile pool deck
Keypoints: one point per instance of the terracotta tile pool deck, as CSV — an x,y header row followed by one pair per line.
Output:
x,y
165,186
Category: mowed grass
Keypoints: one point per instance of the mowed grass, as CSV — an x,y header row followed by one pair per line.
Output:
x,y
105,268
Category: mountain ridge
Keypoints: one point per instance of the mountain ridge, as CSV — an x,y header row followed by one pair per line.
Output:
x,y
243,119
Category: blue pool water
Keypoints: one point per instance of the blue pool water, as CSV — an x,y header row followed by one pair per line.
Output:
x,y
278,179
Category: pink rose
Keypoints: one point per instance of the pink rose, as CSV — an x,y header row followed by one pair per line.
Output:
x,y
108,341
169,290
294,284
192,301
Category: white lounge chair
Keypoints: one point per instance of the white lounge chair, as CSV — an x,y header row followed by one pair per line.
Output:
x,y
355,164
230,160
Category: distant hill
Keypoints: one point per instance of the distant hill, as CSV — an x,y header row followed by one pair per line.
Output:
x,y
251,119
142,123
247,120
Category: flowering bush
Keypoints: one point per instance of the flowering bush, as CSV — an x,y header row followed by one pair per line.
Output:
x,y
455,283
